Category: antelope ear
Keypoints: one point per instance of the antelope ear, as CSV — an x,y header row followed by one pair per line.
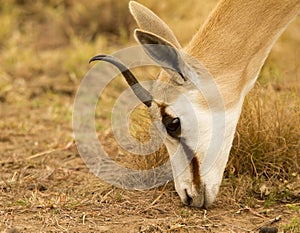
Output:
x,y
150,22
160,50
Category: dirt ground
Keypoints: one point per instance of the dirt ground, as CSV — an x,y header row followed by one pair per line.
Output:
x,y
46,187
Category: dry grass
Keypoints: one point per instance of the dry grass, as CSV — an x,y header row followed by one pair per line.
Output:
x,y
44,50
267,139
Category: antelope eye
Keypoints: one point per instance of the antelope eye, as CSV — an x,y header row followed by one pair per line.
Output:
x,y
172,125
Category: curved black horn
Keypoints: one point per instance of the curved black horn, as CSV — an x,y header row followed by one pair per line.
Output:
x,y
137,88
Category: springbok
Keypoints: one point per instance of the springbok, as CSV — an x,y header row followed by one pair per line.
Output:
x,y
232,47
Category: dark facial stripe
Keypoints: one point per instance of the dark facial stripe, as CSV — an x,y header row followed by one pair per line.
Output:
x,y
194,163
190,154
195,171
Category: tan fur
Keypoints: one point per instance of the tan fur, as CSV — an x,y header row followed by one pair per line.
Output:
x,y
236,39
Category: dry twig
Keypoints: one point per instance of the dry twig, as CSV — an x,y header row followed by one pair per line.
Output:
x,y
269,222
160,195
66,147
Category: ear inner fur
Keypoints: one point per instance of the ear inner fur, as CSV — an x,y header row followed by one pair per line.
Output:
x,y
161,51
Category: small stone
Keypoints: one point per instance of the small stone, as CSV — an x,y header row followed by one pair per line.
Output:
x,y
268,230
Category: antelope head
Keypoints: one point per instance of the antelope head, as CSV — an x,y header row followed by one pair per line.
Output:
x,y
197,106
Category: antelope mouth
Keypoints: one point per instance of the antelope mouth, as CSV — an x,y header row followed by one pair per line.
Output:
x,y
187,200
194,200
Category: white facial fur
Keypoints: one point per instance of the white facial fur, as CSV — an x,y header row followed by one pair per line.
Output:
x,y
212,170
201,133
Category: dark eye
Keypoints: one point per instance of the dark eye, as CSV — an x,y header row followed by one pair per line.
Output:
x,y
172,125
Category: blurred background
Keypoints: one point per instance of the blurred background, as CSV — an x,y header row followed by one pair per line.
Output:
x,y
55,39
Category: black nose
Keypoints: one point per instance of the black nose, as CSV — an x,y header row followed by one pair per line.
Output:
x,y
188,200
